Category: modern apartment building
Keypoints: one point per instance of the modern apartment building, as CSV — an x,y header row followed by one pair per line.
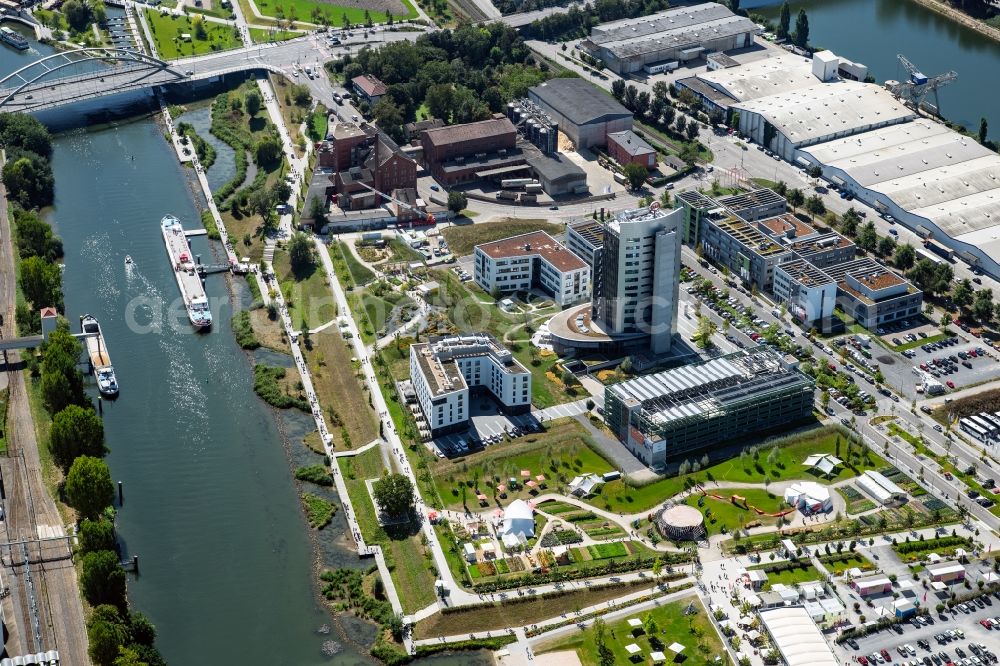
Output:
x,y
447,369
532,261
755,204
640,271
687,410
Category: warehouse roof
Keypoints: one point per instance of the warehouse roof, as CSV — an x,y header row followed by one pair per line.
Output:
x,y
671,19
699,87
631,42
579,101
531,244
827,109
769,76
796,636
483,129
553,167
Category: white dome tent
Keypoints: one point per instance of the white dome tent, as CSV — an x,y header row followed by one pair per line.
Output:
x,y
518,518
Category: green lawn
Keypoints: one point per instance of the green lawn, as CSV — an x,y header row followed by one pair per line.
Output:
x,y
263,36
838,564
918,342
303,10
732,515
406,556
801,572
463,238
617,496
559,453
695,632
167,31
308,297
360,273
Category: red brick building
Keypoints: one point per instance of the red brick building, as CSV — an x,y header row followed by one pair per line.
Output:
x,y
627,147
455,153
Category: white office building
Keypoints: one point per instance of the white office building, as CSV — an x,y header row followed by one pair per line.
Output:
x,y
447,368
640,274
809,293
532,261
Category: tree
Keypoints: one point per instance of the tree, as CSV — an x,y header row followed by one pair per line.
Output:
x,y
796,198
301,254
102,579
982,306
368,19
904,256
706,329
143,631
389,118
649,624
962,293
605,656
815,205
394,494
95,535
28,179
267,151
317,210
19,130
849,222
106,633
77,14
692,131
198,29
457,201
867,237
930,277
642,103
801,38
984,129
681,123
784,21
41,283
128,656
618,89
76,431
631,93
439,100
261,202
252,102
635,174
89,489
886,245
34,236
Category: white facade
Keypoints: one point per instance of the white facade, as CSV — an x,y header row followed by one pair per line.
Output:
x,y
640,277
443,371
809,497
532,260
810,294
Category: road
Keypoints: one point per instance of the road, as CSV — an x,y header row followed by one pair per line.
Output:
x,y
31,514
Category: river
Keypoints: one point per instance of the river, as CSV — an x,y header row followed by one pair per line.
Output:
x,y
211,509
873,32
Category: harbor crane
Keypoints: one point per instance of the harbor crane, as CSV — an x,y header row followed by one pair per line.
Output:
x,y
915,91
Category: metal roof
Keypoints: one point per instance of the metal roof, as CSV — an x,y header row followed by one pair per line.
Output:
x,y
770,76
632,41
797,638
828,109
579,101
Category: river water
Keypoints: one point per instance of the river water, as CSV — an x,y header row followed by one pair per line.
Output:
x,y
873,32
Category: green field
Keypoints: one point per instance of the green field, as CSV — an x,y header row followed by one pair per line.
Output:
x,y
263,36
617,496
306,10
802,572
559,453
167,30
308,296
695,632
732,515
406,555
463,238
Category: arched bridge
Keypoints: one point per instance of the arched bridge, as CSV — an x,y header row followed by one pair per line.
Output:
x,y
91,73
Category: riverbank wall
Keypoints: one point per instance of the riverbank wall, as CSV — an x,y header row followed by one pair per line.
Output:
x,y
959,17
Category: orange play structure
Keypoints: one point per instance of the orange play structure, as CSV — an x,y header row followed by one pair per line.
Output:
x,y
741,502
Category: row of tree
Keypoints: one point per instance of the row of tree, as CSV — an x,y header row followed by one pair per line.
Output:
x,y
459,76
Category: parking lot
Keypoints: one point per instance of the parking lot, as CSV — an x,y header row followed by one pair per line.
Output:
x,y
489,427
955,362
938,640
